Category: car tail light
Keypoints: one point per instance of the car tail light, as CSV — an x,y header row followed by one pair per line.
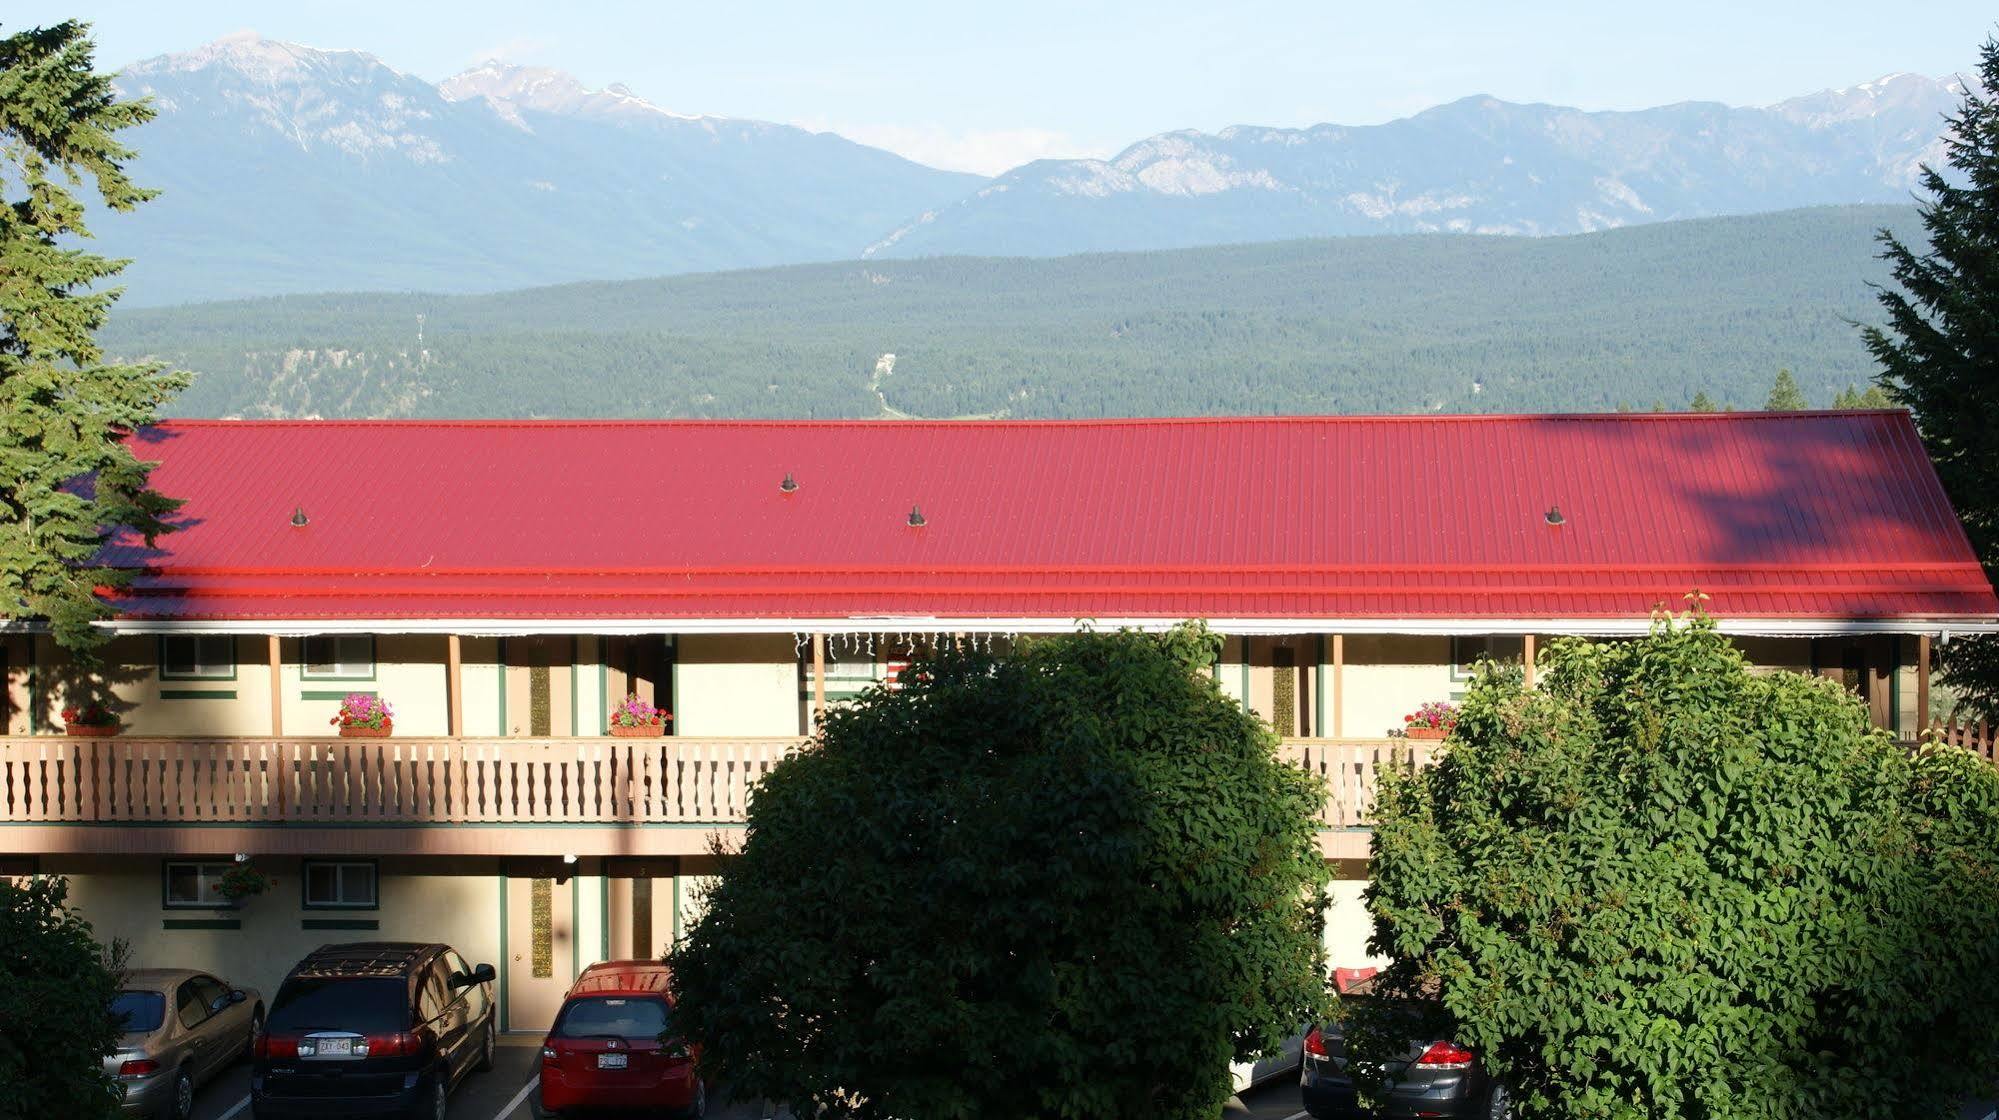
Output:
x,y
549,1053
398,1045
674,1048
267,1047
139,1067
1315,1044
1445,1055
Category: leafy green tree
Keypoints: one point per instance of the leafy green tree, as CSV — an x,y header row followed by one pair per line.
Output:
x,y
1662,885
1074,880
55,999
1702,403
64,410
1939,354
1785,396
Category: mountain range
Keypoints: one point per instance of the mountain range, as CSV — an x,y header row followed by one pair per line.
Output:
x,y
289,169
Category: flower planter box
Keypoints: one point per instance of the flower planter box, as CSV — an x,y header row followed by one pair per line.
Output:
x,y
363,731
641,731
92,730
1426,733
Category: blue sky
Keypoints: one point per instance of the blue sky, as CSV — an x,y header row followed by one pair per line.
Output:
x,y
988,86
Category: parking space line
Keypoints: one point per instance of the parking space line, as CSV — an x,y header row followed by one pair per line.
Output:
x,y
519,1098
235,1108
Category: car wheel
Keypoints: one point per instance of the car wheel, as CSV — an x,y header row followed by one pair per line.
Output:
x,y
488,1047
256,1028
439,1106
1499,1106
699,1108
180,1106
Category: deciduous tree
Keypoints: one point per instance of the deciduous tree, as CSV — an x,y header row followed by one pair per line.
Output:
x,y
1074,880
1661,885
55,1001
68,478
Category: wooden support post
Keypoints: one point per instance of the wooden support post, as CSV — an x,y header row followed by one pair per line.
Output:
x,y
818,680
454,685
1339,684
277,687
1527,660
1922,684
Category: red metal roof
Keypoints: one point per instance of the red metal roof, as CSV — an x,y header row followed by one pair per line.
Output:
x,y
1798,515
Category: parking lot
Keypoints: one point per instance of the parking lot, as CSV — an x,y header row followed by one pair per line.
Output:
x,y
502,1094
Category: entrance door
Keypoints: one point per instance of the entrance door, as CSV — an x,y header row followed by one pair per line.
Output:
x,y
541,942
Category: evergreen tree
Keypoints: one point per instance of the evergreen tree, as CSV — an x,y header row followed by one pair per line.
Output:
x,y
67,479
1852,397
1940,352
1701,403
1785,396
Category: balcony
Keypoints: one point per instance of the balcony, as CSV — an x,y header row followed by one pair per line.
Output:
x,y
599,796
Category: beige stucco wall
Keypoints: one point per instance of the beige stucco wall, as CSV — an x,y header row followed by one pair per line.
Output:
x,y
1389,676
130,672
1348,924
736,684
479,672
453,901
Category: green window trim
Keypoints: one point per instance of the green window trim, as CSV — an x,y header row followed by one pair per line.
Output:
x,y
201,923
334,693
197,694
162,654
339,923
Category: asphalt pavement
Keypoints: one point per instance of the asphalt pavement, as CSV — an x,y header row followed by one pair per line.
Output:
x,y
502,1094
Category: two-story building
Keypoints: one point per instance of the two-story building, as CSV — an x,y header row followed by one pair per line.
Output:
x,y
503,584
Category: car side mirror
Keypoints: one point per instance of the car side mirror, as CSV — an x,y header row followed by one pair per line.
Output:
x,y
483,974
237,995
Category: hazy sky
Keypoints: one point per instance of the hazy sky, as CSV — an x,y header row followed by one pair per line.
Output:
x,y
985,87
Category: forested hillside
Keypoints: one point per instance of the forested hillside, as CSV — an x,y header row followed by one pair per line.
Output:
x,y
1637,316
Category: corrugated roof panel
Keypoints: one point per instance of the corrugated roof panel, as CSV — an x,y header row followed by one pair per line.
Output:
x,y
1822,515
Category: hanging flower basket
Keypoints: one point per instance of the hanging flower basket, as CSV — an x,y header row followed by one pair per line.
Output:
x,y
363,715
241,883
638,719
90,721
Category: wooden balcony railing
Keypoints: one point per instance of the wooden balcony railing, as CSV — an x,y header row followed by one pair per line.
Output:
x,y
322,781
383,781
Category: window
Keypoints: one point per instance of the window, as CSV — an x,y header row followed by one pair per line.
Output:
x,y
193,886
629,1017
434,997
1466,650
214,996
198,657
364,1005
339,657
191,1008
139,1012
339,885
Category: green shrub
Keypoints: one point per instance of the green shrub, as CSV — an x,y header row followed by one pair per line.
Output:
x,y
1071,881
55,999
1664,886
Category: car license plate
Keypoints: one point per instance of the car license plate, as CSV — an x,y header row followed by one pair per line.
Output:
x,y
336,1047
612,1061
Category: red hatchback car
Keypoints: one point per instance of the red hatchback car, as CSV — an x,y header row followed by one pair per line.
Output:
x,y
613,1048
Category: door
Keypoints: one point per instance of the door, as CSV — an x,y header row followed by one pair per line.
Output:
x,y
223,1031
540,941
640,920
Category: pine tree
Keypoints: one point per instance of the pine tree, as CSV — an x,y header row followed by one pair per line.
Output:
x,y
68,481
1938,352
1785,396
1701,403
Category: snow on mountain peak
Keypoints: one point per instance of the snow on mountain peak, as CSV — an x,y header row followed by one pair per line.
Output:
x,y
271,61
510,89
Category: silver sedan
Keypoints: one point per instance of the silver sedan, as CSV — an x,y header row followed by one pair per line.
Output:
x,y
181,1028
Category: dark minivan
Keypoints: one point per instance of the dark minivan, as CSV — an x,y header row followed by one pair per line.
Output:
x,y
1434,1077
373,1029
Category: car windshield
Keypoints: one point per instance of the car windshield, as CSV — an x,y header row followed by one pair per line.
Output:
x,y
139,1012
364,1006
631,1017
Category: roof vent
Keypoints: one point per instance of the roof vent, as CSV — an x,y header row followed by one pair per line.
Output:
x,y
916,520
1555,515
298,517
789,484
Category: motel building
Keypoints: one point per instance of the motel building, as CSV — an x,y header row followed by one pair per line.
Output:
x,y
503,584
